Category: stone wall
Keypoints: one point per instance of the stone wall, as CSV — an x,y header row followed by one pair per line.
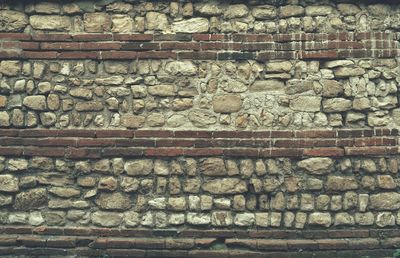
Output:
x,y
193,129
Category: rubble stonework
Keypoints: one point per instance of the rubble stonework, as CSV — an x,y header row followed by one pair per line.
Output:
x,y
199,128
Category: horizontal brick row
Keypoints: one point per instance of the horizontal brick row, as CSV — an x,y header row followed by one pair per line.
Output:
x,y
201,55
202,233
273,134
197,143
342,36
93,153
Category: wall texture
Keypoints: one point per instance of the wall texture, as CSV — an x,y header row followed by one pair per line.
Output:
x,y
218,129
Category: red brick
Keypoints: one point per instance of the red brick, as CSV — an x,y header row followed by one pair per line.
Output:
x,y
133,37
232,134
332,244
173,37
210,37
241,243
153,133
180,46
120,242
149,243
60,46
52,142
83,153
61,242
289,152
8,240
287,143
10,54
165,152
300,244
220,46
208,253
21,45
114,133
324,152
42,151
271,245
382,132
192,134
51,37
92,37
316,134
157,55
112,55
31,241
179,243
318,54
140,46
76,133
95,143
257,46
100,46
78,55
125,253
241,152
8,132
135,142
202,55
252,37
123,152
38,133
174,143
366,151
282,134
15,36
200,152
78,231
135,232
16,230
39,54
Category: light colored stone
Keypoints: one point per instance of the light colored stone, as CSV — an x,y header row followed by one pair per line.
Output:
x,y
12,21
225,186
113,201
122,23
384,219
316,166
194,25
97,22
343,72
320,219
106,219
198,218
331,88
202,118
37,102
156,21
213,167
227,103
8,183
306,103
264,12
268,86
10,68
341,183
336,105
50,22
348,9
319,10
132,121
164,90
385,201
244,219
208,8
290,11
31,199
236,11
139,167
181,68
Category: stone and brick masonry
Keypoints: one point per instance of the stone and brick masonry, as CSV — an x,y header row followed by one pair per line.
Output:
x,y
199,129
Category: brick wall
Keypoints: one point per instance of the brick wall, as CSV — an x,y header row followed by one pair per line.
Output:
x,y
193,129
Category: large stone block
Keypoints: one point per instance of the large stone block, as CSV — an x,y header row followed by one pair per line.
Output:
x,y
50,22
225,186
227,103
12,21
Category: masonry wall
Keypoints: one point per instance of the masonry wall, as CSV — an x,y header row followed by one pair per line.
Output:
x,y
199,128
